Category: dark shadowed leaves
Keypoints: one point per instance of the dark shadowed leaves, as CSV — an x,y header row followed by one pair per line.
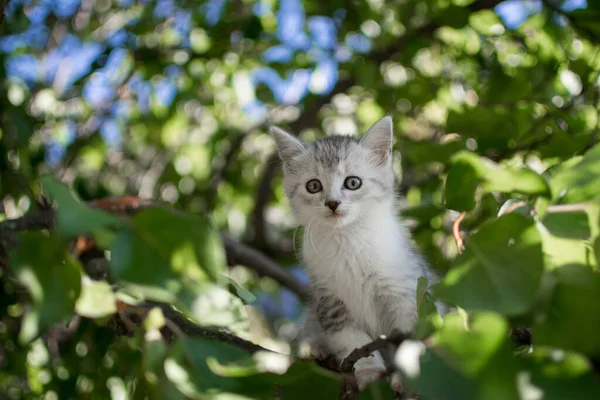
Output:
x,y
558,374
52,278
572,319
500,269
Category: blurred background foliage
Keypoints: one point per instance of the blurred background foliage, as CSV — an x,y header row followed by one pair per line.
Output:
x,y
496,113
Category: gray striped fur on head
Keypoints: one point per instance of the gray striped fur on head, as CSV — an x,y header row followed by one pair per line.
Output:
x,y
331,160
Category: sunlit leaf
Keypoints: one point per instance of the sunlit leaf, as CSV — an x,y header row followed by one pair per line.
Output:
x,y
572,320
580,181
97,300
500,269
469,360
566,238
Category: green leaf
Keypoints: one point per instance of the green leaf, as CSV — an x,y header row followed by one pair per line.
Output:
x,y
425,308
223,367
242,292
97,300
468,171
566,238
473,347
74,218
473,361
52,278
486,22
580,181
167,249
500,270
454,16
572,320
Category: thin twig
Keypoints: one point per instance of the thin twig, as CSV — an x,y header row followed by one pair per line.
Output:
x,y
366,350
567,208
456,232
190,328
513,207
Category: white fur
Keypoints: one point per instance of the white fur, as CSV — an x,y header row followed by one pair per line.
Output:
x,y
364,256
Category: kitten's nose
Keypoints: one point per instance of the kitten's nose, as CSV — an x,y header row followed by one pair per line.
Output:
x,y
332,204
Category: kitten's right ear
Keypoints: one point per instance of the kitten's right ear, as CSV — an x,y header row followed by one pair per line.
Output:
x,y
287,145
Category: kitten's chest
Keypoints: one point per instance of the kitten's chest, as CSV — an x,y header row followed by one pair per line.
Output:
x,y
355,271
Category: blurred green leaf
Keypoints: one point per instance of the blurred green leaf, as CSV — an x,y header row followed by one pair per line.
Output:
x,y
468,171
425,308
580,181
486,22
242,292
566,238
52,278
97,300
74,218
500,269
558,375
572,320
167,249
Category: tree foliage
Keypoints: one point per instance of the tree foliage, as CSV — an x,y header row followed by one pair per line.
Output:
x,y
146,246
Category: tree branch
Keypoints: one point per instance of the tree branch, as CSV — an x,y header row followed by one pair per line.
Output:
x,y
366,350
190,328
237,253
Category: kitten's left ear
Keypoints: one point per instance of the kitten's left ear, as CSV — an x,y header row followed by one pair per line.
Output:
x,y
287,145
379,139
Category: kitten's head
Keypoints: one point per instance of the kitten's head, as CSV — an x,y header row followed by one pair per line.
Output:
x,y
338,179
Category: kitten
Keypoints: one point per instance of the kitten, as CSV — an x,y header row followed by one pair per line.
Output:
x,y
362,266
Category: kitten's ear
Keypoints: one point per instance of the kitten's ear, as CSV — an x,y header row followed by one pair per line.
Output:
x,y
379,139
287,145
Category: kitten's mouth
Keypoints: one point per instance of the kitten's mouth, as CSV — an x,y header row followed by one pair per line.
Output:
x,y
334,214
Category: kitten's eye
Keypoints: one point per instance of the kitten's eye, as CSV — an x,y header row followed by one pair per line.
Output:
x,y
314,186
352,182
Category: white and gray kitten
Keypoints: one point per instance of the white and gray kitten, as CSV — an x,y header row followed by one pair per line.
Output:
x,y
362,266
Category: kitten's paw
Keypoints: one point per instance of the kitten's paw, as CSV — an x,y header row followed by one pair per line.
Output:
x,y
368,370
396,382
317,351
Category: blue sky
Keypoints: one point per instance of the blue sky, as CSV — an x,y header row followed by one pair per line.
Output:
x,y
72,59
